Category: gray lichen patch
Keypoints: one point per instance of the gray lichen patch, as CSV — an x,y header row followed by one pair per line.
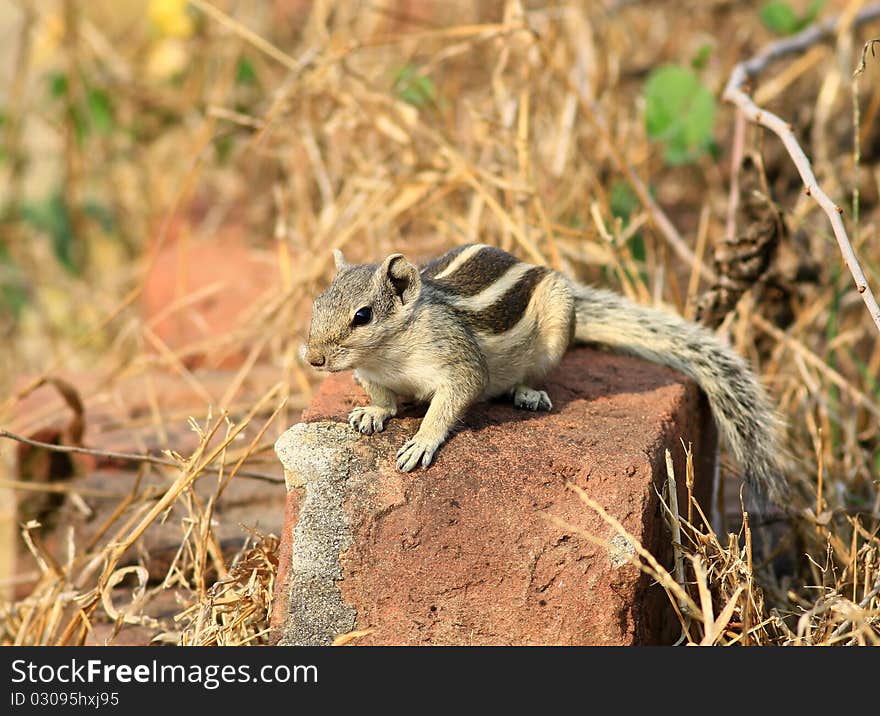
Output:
x,y
309,451
319,458
621,550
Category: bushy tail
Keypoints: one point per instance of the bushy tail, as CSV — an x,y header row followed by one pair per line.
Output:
x,y
741,408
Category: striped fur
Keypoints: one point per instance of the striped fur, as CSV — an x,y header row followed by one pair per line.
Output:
x,y
739,403
477,323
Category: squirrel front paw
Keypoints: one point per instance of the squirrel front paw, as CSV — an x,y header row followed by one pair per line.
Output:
x,y
415,451
531,399
369,419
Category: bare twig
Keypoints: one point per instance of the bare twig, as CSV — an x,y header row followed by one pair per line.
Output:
x,y
735,94
869,45
248,35
128,457
857,135
675,521
736,157
675,526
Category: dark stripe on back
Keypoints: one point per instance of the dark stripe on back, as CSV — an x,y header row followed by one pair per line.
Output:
x,y
507,311
479,272
435,266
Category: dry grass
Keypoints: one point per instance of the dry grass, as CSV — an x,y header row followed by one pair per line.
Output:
x,y
526,134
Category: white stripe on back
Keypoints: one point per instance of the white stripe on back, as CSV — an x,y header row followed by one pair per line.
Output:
x,y
459,261
495,291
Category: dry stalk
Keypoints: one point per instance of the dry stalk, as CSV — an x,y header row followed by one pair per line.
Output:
x,y
128,457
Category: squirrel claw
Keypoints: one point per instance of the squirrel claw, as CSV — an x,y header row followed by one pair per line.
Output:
x,y
368,419
412,453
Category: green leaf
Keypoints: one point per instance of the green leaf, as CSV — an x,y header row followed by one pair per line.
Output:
x,y
102,214
52,217
100,110
3,152
80,123
679,113
59,88
413,88
639,252
223,146
623,200
812,12
244,72
14,295
699,60
779,17
57,85
93,112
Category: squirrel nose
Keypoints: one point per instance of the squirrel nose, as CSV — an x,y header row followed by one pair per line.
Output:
x,y
315,359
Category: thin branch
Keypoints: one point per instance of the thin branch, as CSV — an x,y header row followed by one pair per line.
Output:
x,y
249,36
59,488
735,94
869,45
736,157
129,457
675,527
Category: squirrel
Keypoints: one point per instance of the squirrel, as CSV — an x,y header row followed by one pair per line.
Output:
x,y
478,323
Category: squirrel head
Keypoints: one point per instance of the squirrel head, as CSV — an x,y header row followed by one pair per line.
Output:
x,y
362,309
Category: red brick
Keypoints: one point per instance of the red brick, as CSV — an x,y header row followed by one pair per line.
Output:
x,y
467,552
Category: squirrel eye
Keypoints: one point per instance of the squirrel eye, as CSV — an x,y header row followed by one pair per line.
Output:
x,y
362,316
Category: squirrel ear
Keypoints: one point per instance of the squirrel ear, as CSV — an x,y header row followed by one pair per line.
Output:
x,y
402,277
339,259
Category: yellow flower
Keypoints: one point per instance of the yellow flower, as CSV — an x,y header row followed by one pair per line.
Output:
x,y
170,17
167,57
48,36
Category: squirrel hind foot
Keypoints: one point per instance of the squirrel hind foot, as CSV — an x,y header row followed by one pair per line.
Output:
x,y
531,399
